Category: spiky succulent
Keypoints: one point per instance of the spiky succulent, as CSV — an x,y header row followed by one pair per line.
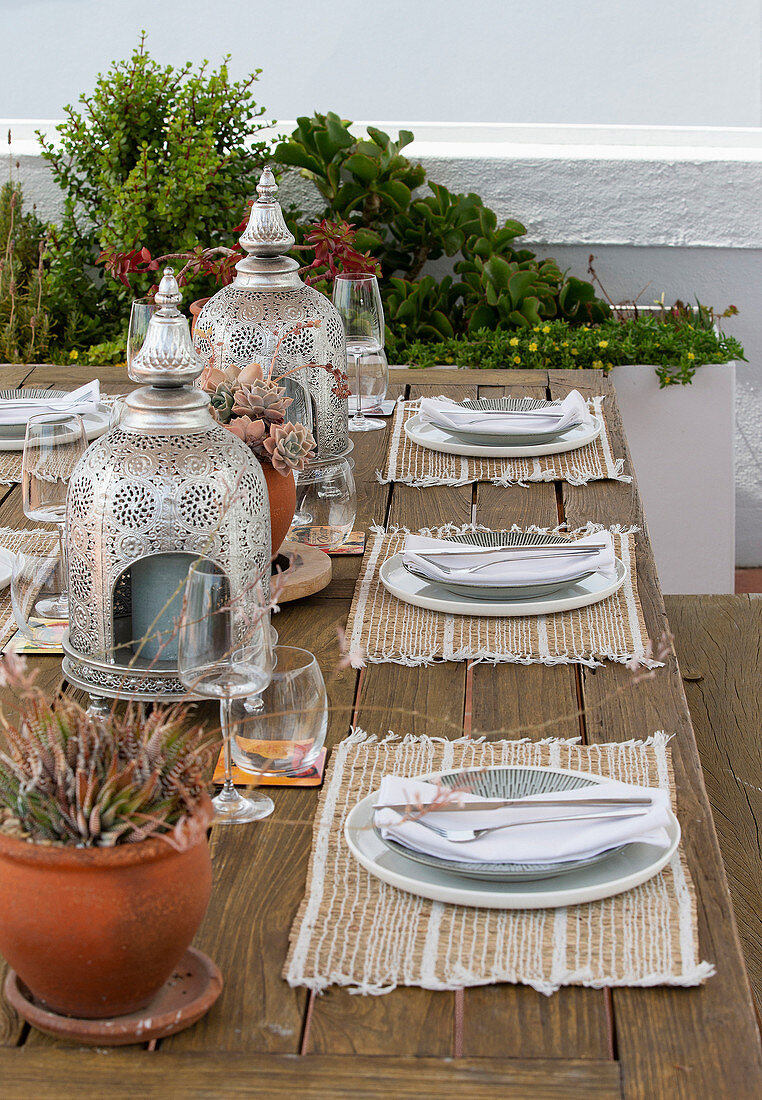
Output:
x,y
262,400
289,446
68,778
222,401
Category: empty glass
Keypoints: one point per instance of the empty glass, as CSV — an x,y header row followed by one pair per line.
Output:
x,y
36,581
224,653
373,378
53,446
141,312
326,504
288,733
358,302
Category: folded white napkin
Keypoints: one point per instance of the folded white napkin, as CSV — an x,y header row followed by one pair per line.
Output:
x,y
556,841
445,413
511,567
84,400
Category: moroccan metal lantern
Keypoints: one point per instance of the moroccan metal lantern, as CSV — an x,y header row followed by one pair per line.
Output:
x,y
267,313
164,487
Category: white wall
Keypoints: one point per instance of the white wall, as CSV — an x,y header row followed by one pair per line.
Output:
x,y
685,62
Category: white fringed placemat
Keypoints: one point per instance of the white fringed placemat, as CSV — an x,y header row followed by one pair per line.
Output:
x,y
382,628
410,464
354,930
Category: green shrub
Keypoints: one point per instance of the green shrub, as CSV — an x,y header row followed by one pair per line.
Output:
x,y
23,316
371,184
156,154
674,344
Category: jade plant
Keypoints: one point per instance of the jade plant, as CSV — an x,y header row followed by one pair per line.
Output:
x,y
155,154
373,186
67,778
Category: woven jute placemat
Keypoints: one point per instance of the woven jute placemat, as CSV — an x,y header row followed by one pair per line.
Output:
x,y
408,463
382,628
354,930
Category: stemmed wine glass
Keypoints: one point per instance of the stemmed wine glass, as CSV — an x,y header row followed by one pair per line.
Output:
x,y
224,652
358,302
53,446
141,312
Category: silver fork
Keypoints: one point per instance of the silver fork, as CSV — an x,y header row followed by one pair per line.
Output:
x,y
463,836
485,565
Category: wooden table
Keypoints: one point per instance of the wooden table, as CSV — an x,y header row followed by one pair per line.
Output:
x,y
266,1039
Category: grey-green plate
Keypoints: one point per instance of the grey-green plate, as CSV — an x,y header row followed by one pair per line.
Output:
x,y
505,404
508,782
503,591
17,430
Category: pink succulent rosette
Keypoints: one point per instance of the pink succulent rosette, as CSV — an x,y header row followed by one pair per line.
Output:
x,y
289,446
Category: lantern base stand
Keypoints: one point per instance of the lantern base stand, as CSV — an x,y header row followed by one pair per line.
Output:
x,y
140,681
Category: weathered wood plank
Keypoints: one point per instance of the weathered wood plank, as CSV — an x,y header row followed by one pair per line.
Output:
x,y
408,1021
197,1076
670,1042
532,701
719,651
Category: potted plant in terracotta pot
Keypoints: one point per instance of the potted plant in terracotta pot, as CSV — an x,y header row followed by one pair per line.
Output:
x,y
253,406
105,871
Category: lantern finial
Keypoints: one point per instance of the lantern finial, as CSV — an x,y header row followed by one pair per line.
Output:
x,y
266,233
167,357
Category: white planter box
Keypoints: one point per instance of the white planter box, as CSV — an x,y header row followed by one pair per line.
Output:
x,y
682,444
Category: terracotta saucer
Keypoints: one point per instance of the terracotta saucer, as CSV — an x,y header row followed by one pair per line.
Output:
x,y
183,999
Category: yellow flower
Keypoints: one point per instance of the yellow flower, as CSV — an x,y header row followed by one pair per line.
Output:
x,y
597,365
533,346
574,351
517,358
691,355
603,343
449,359
74,354
514,342
546,328
565,344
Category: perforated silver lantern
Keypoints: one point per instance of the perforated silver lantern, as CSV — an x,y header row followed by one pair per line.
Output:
x,y
269,313
166,486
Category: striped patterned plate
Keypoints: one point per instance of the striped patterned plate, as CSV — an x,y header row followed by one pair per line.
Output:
x,y
508,782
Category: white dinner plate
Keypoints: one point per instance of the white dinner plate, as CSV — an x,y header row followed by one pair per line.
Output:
x,y
440,439
6,567
411,589
484,430
634,864
96,424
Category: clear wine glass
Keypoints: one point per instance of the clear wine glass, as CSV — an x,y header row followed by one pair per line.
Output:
x,y
374,377
36,582
141,312
53,445
358,302
287,734
225,653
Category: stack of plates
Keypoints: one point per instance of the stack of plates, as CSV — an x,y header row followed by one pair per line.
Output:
x,y
12,435
457,598
486,440
506,885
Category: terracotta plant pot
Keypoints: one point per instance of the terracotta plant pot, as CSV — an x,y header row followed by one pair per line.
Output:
x,y
95,932
282,493
195,308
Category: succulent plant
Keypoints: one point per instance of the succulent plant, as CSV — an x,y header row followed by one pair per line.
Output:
x,y
222,401
252,432
72,779
262,400
288,447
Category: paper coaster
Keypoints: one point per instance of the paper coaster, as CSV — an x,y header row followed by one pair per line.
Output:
x,y
312,777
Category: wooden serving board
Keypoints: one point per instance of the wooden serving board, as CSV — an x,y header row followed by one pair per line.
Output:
x,y
309,571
